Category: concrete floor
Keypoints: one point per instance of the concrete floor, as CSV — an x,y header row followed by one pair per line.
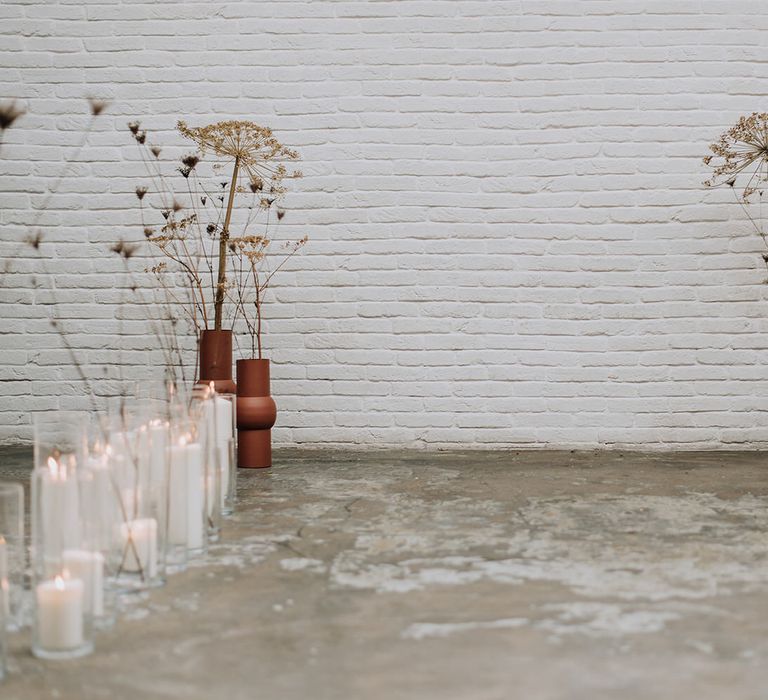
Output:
x,y
472,575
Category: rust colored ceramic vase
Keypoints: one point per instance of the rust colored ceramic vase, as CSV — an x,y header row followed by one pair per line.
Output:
x,y
216,360
256,414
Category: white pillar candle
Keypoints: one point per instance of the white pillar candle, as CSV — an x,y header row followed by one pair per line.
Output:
x,y
59,614
89,568
222,409
177,495
195,496
139,539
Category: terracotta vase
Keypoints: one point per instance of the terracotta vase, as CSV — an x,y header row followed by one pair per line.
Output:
x,y
256,414
216,360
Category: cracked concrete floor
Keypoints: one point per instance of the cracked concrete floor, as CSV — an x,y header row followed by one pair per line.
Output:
x,y
478,575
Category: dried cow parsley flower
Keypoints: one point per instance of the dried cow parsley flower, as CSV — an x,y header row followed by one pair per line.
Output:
x,y
254,147
743,148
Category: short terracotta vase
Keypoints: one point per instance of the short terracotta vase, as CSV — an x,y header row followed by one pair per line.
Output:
x,y
216,360
256,414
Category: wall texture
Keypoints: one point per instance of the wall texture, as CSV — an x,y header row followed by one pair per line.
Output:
x,y
510,242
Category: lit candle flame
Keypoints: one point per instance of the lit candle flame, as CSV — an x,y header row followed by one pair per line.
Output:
x,y
59,583
54,467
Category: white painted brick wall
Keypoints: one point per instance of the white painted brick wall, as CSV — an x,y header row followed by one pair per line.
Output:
x,y
510,243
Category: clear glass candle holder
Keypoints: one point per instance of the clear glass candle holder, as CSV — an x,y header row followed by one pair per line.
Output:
x,y
63,618
59,435
227,455
225,439
90,560
13,559
3,636
135,457
206,429
190,491
177,496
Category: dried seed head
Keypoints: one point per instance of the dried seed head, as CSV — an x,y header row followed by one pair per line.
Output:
x,y
97,106
123,249
176,206
741,149
134,127
148,232
141,137
280,214
140,192
190,161
156,151
258,152
257,185
210,228
166,213
203,200
185,172
9,114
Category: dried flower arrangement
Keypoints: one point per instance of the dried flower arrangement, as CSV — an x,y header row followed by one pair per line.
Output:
x,y
196,238
741,153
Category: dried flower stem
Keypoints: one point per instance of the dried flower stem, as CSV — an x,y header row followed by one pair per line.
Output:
x,y
223,240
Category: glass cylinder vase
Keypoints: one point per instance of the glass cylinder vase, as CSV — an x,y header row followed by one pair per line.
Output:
x,y
13,559
135,458
63,616
225,440
205,430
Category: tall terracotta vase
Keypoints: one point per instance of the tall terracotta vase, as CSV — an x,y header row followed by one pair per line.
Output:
x,y
256,414
216,360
